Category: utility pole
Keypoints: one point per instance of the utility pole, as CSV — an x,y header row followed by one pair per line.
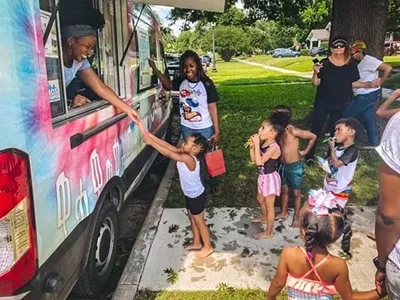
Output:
x,y
214,63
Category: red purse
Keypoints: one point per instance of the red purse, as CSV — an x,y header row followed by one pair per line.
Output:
x,y
215,163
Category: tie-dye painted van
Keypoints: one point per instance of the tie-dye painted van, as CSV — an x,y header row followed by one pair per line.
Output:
x,y
64,173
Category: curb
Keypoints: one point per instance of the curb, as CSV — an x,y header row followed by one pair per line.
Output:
x,y
129,282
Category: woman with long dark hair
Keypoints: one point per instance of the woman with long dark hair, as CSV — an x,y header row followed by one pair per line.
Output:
x,y
197,99
334,77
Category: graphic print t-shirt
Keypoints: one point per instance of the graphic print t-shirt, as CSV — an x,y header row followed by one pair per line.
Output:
x,y
340,179
194,98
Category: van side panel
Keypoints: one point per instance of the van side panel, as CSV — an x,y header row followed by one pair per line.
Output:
x,y
66,181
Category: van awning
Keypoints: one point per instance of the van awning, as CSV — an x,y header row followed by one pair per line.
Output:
x,y
207,5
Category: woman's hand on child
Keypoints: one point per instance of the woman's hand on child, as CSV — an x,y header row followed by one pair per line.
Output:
x,y
302,153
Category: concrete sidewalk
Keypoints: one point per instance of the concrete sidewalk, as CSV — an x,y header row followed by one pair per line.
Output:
x,y
241,261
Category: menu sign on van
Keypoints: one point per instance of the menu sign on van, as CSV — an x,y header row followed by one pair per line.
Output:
x,y
144,55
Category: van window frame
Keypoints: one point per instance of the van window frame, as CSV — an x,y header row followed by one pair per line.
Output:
x,y
54,20
138,52
72,114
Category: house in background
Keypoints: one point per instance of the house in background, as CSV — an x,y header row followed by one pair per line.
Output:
x,y
317,36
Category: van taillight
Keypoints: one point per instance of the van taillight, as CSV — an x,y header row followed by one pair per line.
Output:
x,y
18,253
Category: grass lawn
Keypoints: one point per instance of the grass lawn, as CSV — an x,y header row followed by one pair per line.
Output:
x,y
247,95
223,293
393,82
393,60
304,63
299,64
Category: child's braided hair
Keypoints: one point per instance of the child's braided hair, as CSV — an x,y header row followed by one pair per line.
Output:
x,y
324,230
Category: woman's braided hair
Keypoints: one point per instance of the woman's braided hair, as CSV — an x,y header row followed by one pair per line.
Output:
x,y
324,230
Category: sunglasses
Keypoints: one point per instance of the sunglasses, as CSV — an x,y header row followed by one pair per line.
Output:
x,y
338,46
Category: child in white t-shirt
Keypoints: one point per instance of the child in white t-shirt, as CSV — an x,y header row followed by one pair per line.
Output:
x,y
342,160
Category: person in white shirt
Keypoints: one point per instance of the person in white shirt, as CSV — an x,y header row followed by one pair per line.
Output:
x,y
362,105
387,227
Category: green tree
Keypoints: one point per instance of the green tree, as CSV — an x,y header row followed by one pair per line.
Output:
x,y
317,14
188,40
258,40
233,17
393,19
168,39
228,41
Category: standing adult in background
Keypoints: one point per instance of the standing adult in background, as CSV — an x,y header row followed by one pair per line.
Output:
x,y
387,226
197,101
365,98
334,77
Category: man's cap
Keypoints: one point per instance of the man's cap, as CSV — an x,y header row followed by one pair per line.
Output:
x,y
359,46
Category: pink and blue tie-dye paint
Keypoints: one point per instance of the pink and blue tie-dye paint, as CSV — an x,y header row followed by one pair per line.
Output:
x,y
66,182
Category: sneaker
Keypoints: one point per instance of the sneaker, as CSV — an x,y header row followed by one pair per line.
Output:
x,y
310,162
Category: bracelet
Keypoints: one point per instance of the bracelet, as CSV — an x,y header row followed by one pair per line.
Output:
x,y
378,267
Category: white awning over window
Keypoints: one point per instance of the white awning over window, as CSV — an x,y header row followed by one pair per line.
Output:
x,y
207,5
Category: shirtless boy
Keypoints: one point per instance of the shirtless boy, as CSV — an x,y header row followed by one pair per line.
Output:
x,y
291,168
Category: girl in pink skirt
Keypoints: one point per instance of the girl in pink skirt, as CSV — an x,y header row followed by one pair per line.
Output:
x,y
264,151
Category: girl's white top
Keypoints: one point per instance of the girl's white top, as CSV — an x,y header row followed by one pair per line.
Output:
x,y
191,184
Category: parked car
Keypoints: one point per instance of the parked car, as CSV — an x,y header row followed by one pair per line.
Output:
x,y
318,51
206,60
285,53
271,52
169,57
173,67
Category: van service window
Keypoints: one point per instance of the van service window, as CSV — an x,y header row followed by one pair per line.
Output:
x,y
146,41
87,77
108,46
53,62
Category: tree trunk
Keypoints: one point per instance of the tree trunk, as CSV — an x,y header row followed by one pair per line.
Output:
x,y
361,19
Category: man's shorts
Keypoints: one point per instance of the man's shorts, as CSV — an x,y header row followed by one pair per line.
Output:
x,y
292,175
196,205
392,280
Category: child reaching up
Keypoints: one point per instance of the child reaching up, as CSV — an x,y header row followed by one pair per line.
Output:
x,y
188,164
291,167
264,151
310,272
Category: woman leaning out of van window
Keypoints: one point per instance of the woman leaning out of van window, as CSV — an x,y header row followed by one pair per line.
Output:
x,y
197,97
79,34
